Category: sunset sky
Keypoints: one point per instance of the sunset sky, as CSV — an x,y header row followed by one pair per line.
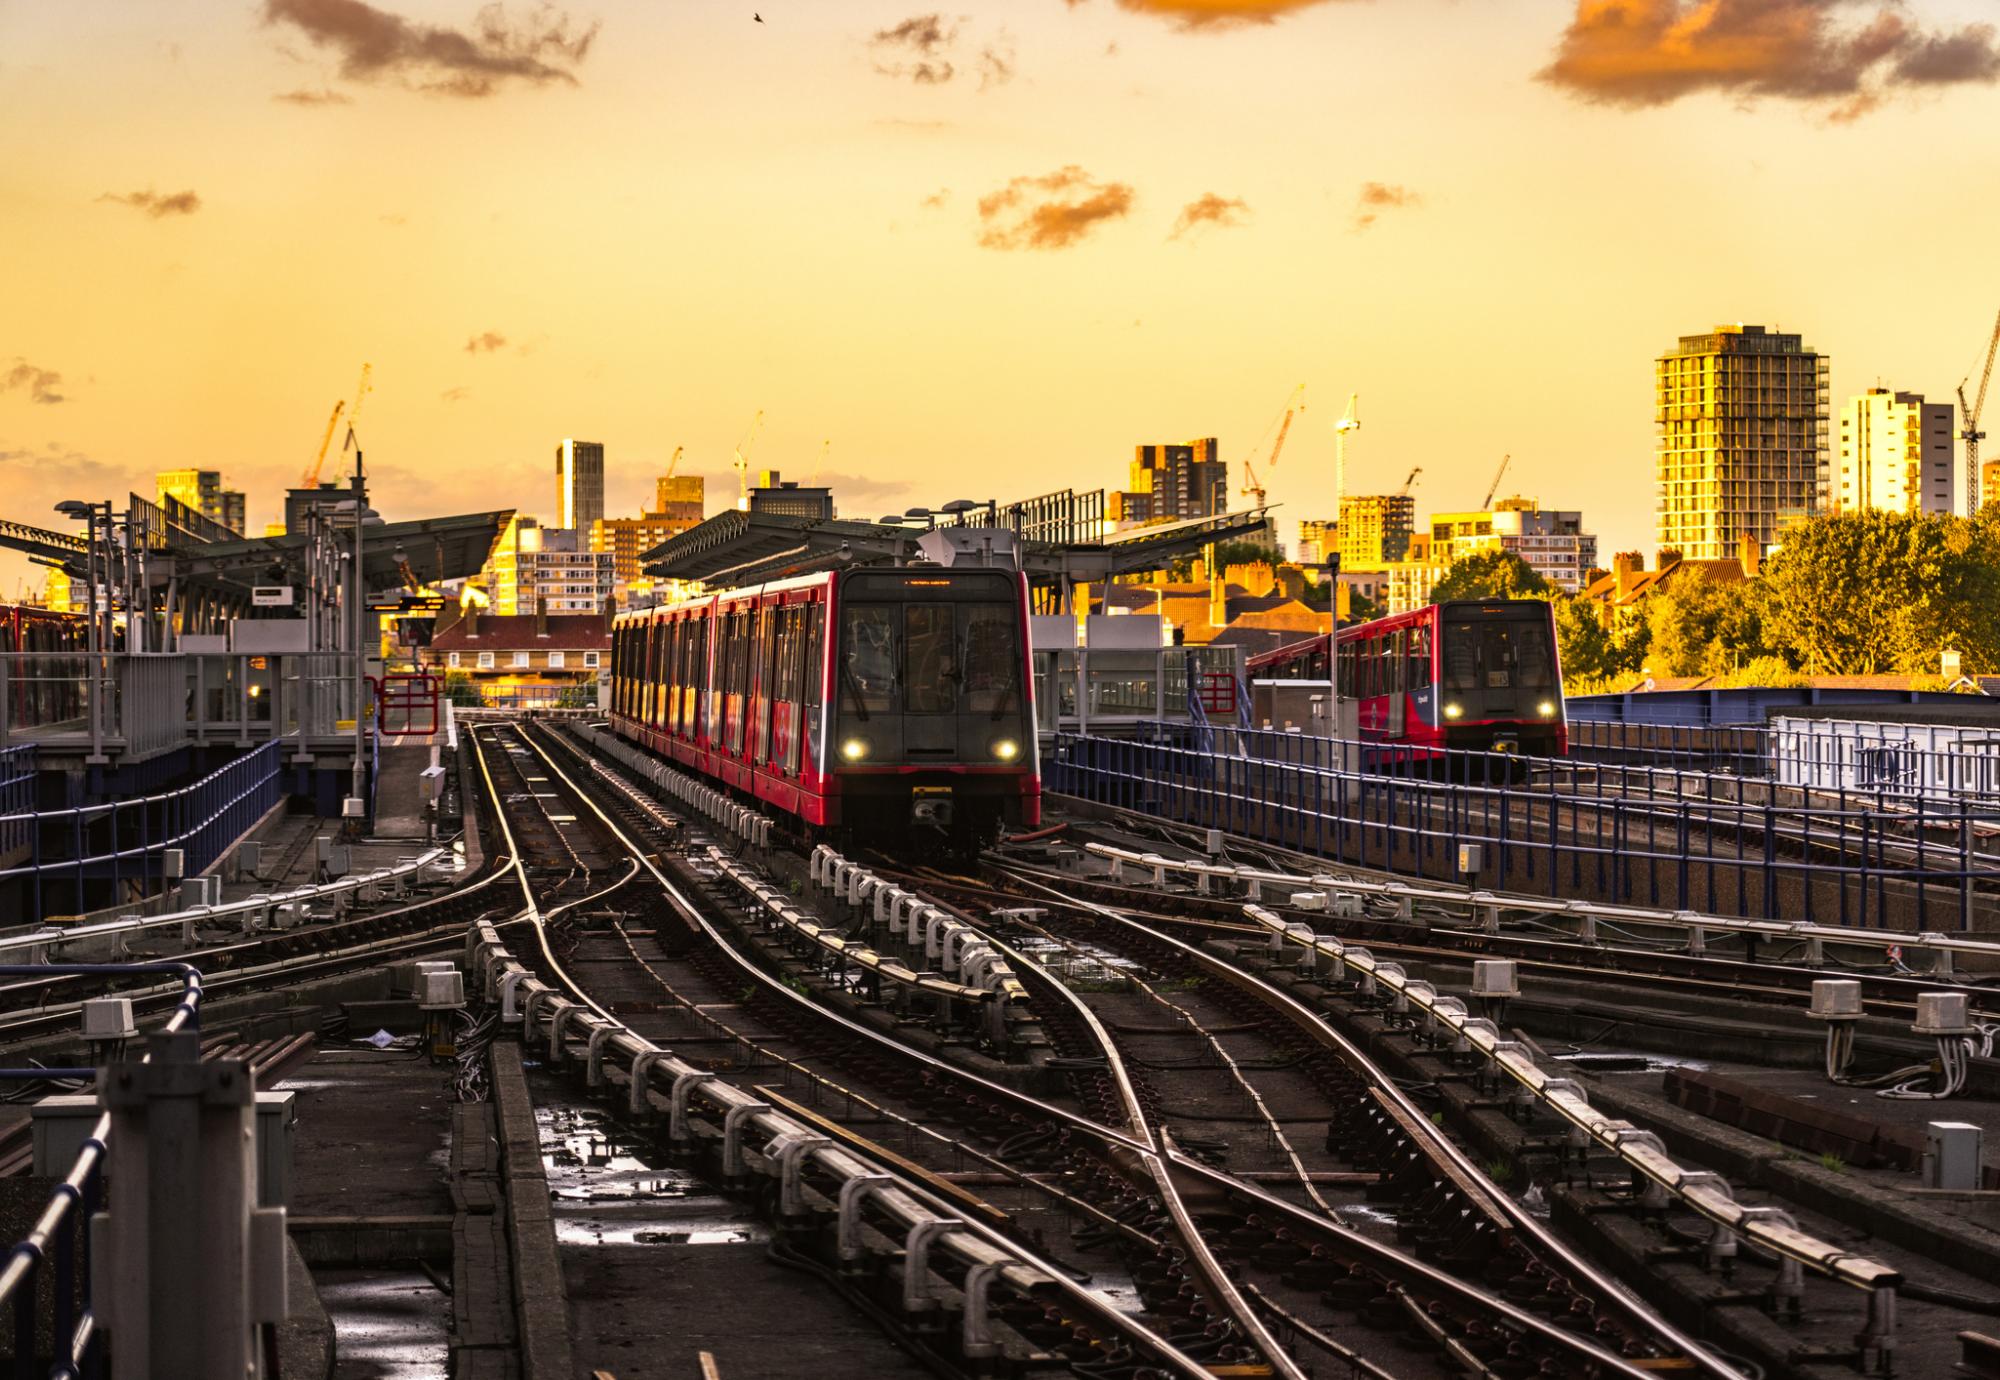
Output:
x,y
984,251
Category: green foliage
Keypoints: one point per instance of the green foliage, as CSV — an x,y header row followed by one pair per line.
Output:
x,y
1705,627
1829,1160
459,690
1491,575
1764,673
1594,656
1873,593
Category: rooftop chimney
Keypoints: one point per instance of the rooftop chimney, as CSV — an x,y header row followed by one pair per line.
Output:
x,y
542,615
472,621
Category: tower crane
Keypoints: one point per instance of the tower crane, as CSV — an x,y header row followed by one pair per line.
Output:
x,y
1498,475
742,461
674,463
1350,420
1252,488
1972,435
1412,479
311,478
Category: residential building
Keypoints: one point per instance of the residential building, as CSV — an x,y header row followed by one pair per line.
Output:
x,y
531,563
1989,481
1742,444
1318,538
579,485
1897,453
788,499
680,498
1621,595
1170,482
1374,529
202,491
1410,580
1553,543
525,660
678,505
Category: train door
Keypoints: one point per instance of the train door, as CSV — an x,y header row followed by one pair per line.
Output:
x,y
1395,667
812,671
764,683
785,687
739,680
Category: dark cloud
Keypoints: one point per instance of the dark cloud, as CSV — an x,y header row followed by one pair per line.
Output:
x,y
1052,211
486,342
1377,197
57,462
925,49
41,385
455,394
536,50
156,204
1210,209
310,98
918,48
1846,54
1214,14
849,490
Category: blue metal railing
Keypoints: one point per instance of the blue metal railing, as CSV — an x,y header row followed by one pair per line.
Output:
x,y
121,840
60,1237
1685,841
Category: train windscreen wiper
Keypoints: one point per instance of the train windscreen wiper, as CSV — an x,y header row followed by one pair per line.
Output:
x,y
853,688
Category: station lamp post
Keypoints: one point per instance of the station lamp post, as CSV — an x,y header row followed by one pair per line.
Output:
x,y
364,517
96,518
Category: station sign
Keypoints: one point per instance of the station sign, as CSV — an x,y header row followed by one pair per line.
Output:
x,y
426,604
271,596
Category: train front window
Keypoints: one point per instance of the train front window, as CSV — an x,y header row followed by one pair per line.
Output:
x,y
929,673
868,660
1490,667
989,657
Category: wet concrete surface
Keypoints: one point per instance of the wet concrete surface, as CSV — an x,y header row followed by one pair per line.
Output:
x,y
373,1131
659,1267
388,1325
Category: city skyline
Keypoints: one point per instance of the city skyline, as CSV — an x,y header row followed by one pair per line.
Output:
x,y
786,217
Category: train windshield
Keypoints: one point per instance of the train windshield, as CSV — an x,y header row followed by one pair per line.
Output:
x,y
1497,666
930,658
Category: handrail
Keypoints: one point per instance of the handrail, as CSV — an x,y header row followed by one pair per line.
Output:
x,y
52,937
73,1331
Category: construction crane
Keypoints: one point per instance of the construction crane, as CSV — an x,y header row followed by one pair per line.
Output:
x,y
1498,475
824,447
742,462
1350,420
311,478
1252,488
361,390
1412,479
674,463
1972,435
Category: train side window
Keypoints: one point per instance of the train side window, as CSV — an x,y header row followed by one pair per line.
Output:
x,y
1418,677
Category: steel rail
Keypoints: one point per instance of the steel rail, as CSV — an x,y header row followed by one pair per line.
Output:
x,y
1356,1244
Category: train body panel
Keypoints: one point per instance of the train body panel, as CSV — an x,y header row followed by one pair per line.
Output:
x,y
864,700
44,656
1476,674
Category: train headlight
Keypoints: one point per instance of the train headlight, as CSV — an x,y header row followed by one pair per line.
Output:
x,y
1006,749
1452,711
1548,709
854,749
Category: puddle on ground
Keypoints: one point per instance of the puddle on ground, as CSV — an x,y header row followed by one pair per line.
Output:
x,y
1626,1061
1122,1294
1077,961
1369,1214
609,1189
387,1326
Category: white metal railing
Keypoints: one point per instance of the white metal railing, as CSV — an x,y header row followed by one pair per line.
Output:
x,y
1485,908
255,912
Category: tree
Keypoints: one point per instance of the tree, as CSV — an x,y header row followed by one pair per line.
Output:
x,y
1592,654
1877,592
1491,575
459,689
1702,626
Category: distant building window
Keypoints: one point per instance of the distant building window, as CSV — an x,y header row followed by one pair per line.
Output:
x,y
454,660
590,660
486,661
555,661
520,658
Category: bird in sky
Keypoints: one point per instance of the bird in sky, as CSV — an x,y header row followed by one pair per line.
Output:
x,y
756,16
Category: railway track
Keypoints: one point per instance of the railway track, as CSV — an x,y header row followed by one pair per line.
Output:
x,y
1426,1319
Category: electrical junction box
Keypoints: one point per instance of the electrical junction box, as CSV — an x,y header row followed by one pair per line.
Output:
x,y
108,1018
1941,1013
62,1124
1951,1155
1836,999
441,991
1495,977
1471,857
1308,900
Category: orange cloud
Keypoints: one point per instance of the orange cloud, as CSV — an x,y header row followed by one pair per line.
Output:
x,y
486,341
1210,209
1214,14
1053,211
312,98
39,384
373,43
1652,52
1377,197
156,205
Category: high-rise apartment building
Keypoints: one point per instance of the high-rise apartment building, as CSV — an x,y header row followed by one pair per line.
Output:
x,y
1896,452
1553,543
682,498
532,563
579,485
678,505
1374,529
1989,482
202,491
1318,537
1742,418
1171,482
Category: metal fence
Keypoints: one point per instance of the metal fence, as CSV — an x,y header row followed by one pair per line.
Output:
x,y
45,1283
1682,840
122,841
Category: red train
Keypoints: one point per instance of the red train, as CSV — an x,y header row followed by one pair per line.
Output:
x,y
43,654
1479,674
859,701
